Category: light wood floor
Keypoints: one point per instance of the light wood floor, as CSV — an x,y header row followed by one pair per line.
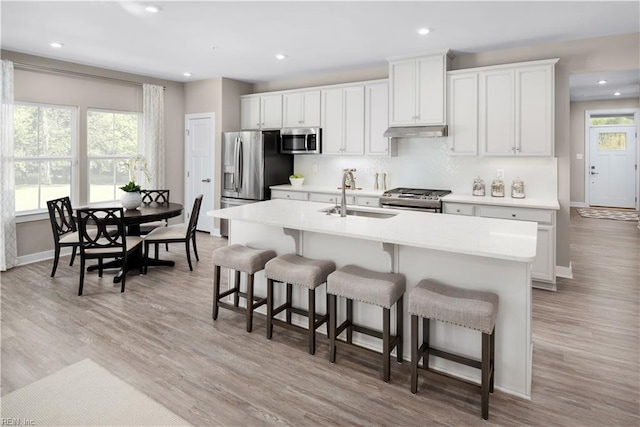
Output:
x,y
159,337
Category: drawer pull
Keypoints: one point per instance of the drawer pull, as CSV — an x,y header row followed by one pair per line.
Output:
x,y
513,215
457,210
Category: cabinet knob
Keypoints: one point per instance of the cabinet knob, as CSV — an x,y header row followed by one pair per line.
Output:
x,y
513,215
301,121
457,210
288,196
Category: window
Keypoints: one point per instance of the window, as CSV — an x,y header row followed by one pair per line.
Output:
x,y
111,138
612,141
45,150
611,119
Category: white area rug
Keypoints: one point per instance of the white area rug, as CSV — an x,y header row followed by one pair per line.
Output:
x,y
84,394
620,215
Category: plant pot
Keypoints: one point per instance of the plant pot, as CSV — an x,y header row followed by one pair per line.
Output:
x,y
296,182
131,200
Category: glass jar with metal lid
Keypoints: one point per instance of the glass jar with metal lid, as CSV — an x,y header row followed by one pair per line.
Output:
x,y
478,187
497,188
517,189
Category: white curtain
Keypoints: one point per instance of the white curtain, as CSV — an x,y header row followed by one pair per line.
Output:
x,y
8,246
153,134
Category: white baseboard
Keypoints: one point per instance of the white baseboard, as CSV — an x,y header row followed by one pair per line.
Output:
x,y
41,256
578,205
564,272
547,286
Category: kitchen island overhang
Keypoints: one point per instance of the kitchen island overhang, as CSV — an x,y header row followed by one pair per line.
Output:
x,y
471,252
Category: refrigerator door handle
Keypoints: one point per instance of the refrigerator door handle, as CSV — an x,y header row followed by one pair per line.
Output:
x,y
235,164
240,162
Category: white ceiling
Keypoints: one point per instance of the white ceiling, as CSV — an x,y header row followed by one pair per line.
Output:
x,y
585,87
317,37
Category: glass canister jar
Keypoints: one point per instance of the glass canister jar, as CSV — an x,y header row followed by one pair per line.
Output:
x,y
517,189
497,188
478,187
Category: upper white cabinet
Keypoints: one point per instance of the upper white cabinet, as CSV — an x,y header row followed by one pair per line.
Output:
x,y
376,119
343,117
463,114
417,89
261,112
301,109
505,110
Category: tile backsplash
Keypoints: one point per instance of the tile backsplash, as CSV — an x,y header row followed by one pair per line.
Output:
x,y
426,163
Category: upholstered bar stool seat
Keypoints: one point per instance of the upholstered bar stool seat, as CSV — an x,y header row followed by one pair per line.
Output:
x,y
372,287
467,308
241,259
309,273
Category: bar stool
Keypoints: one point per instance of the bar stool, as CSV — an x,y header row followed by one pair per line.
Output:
x,y
382,289
463,307
309,273
241,259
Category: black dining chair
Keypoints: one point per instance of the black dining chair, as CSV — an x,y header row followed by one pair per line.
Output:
x,y
103,235
177,234
63,226
154,198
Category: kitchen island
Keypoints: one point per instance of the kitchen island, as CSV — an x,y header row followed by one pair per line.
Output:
x,y
471,252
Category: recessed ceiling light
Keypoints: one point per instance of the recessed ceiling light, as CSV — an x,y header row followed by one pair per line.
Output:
x,y
152,9
57,45
423,31
617,93
602,82
280,56
186,74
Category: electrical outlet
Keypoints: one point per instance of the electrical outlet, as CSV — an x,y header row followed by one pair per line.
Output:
x,y
500,173
315,168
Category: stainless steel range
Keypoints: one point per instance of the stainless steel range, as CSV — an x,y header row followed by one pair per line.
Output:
x,y
417,199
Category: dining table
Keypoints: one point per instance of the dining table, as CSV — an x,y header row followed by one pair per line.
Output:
x,y
132,219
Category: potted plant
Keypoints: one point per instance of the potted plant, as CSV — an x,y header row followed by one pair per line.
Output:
x,y
296,179
131,198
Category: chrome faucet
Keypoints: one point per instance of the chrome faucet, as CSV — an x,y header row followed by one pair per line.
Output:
x,y
346,173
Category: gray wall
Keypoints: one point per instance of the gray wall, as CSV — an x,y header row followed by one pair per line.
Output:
x,y
64,89
577,111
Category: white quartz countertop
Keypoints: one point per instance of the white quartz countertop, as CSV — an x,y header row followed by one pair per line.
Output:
x,y
369,192
486,237
535,203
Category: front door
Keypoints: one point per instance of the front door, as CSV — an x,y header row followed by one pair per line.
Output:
x,y
200,166
612,169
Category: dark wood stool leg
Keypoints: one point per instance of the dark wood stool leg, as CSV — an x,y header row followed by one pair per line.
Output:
x,y
289,300
484,388
216,290
399,328
236,285
350,320
327,321
493,355
332,328
414,354
269,308
249,302
425,339
312,321
386,344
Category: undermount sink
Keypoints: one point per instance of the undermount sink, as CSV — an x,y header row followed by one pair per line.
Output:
x,y
359,212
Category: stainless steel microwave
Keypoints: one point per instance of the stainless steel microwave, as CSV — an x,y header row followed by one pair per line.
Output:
x,y
301,141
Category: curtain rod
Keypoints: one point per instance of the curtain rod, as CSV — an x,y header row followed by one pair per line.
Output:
x,y
31,67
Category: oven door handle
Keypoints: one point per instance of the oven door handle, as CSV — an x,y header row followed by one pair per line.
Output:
x,y
403,208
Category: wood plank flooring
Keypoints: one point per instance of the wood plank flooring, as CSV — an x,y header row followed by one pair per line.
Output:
x,y
159,337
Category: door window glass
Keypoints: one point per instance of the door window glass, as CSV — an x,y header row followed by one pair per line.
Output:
x,y
612,141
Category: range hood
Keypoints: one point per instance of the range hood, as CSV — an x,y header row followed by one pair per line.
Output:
x,y
417,132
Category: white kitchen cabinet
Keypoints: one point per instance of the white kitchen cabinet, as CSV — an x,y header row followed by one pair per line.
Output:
x,y
376,120
497,112
514,106
261,112
373,202
336,199
417,88
342,118
291,195
463,114
544,267
301,109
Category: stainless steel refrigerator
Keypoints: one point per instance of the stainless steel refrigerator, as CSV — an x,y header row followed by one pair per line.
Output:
x,y
251,163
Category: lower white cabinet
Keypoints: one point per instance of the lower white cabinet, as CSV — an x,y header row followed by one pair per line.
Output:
x,y
544,267
291,195
373,202
330,198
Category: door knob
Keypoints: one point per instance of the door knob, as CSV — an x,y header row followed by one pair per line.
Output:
x,y
206,180
594,173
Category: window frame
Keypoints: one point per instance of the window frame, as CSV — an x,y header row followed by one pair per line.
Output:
x,y
116,158
41,213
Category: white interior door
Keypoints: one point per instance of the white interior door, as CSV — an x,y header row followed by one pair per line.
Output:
x,y
612,169
200,166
